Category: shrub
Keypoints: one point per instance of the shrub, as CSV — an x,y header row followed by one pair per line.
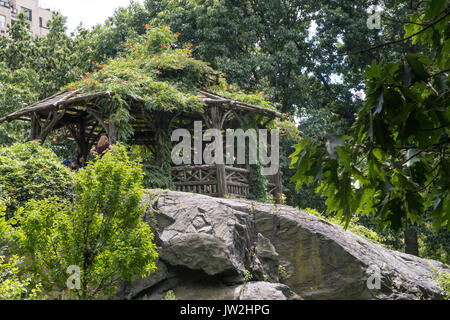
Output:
x,y
101,232
443,281
170,295
29,171
281,273
14,284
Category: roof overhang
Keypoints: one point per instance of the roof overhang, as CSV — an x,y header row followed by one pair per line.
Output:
x,y
68,99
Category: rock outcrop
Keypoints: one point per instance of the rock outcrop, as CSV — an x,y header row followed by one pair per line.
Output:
x,y
212,248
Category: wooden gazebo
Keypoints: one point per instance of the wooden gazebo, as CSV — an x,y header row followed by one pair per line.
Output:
x,y
79,116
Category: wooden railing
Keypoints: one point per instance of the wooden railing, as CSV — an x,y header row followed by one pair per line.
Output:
x,y
237,181
203,179
197,179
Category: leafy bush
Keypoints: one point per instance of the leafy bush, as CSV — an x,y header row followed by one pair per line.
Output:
x,y
443,280
170,295
258,184
282,274
101,232
14,284
17,88
155,175
29,171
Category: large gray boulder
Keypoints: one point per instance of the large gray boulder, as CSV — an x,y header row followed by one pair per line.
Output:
x,y
261,290
212,248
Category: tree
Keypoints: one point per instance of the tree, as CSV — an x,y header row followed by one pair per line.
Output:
x,y
29,171
18,88
55,58
395,164
51,59
100,232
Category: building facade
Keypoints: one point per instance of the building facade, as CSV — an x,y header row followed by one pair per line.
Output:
x,y
37,17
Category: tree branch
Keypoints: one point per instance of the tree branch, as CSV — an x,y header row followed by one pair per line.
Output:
x,y
395,41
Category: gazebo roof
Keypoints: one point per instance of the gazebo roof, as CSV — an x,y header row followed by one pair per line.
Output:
x,y
70,99
82,119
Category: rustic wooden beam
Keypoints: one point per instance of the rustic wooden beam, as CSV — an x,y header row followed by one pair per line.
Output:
x,y
278,181
49,127
237,184
214,98
35,126
243,170
195,183
86,98
202,166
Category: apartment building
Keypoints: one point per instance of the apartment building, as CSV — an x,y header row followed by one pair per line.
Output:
x,y
37,17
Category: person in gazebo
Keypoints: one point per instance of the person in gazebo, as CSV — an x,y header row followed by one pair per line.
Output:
x,y
102,145
71,164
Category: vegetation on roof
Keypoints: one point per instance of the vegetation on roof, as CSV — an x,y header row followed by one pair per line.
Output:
x,y
159,73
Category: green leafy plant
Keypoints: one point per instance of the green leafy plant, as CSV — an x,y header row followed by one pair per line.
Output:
x,y
395,165
160,74
15,284
170,295
354,226
100,232
248,276
281,273
443,280
29,171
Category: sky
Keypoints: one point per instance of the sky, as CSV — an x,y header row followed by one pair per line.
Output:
x,y
89,12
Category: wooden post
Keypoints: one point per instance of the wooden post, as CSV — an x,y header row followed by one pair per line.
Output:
x,y
222,187
54,118
35,127
77,130
215,118
278,185
112,131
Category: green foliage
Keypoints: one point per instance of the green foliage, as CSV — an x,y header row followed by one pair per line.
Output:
x,y
394,166
443,280
354,226
29,171
248,276
32,68
18,88
258,184
101,231
160,74
281,273
155,177
14,284
434,244
47,63
170,295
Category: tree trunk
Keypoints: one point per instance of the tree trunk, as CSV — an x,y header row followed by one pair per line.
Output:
x,y
411,240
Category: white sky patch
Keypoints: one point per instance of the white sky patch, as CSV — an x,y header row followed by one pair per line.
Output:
x,y
360,94
336,79
312,30
89,12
